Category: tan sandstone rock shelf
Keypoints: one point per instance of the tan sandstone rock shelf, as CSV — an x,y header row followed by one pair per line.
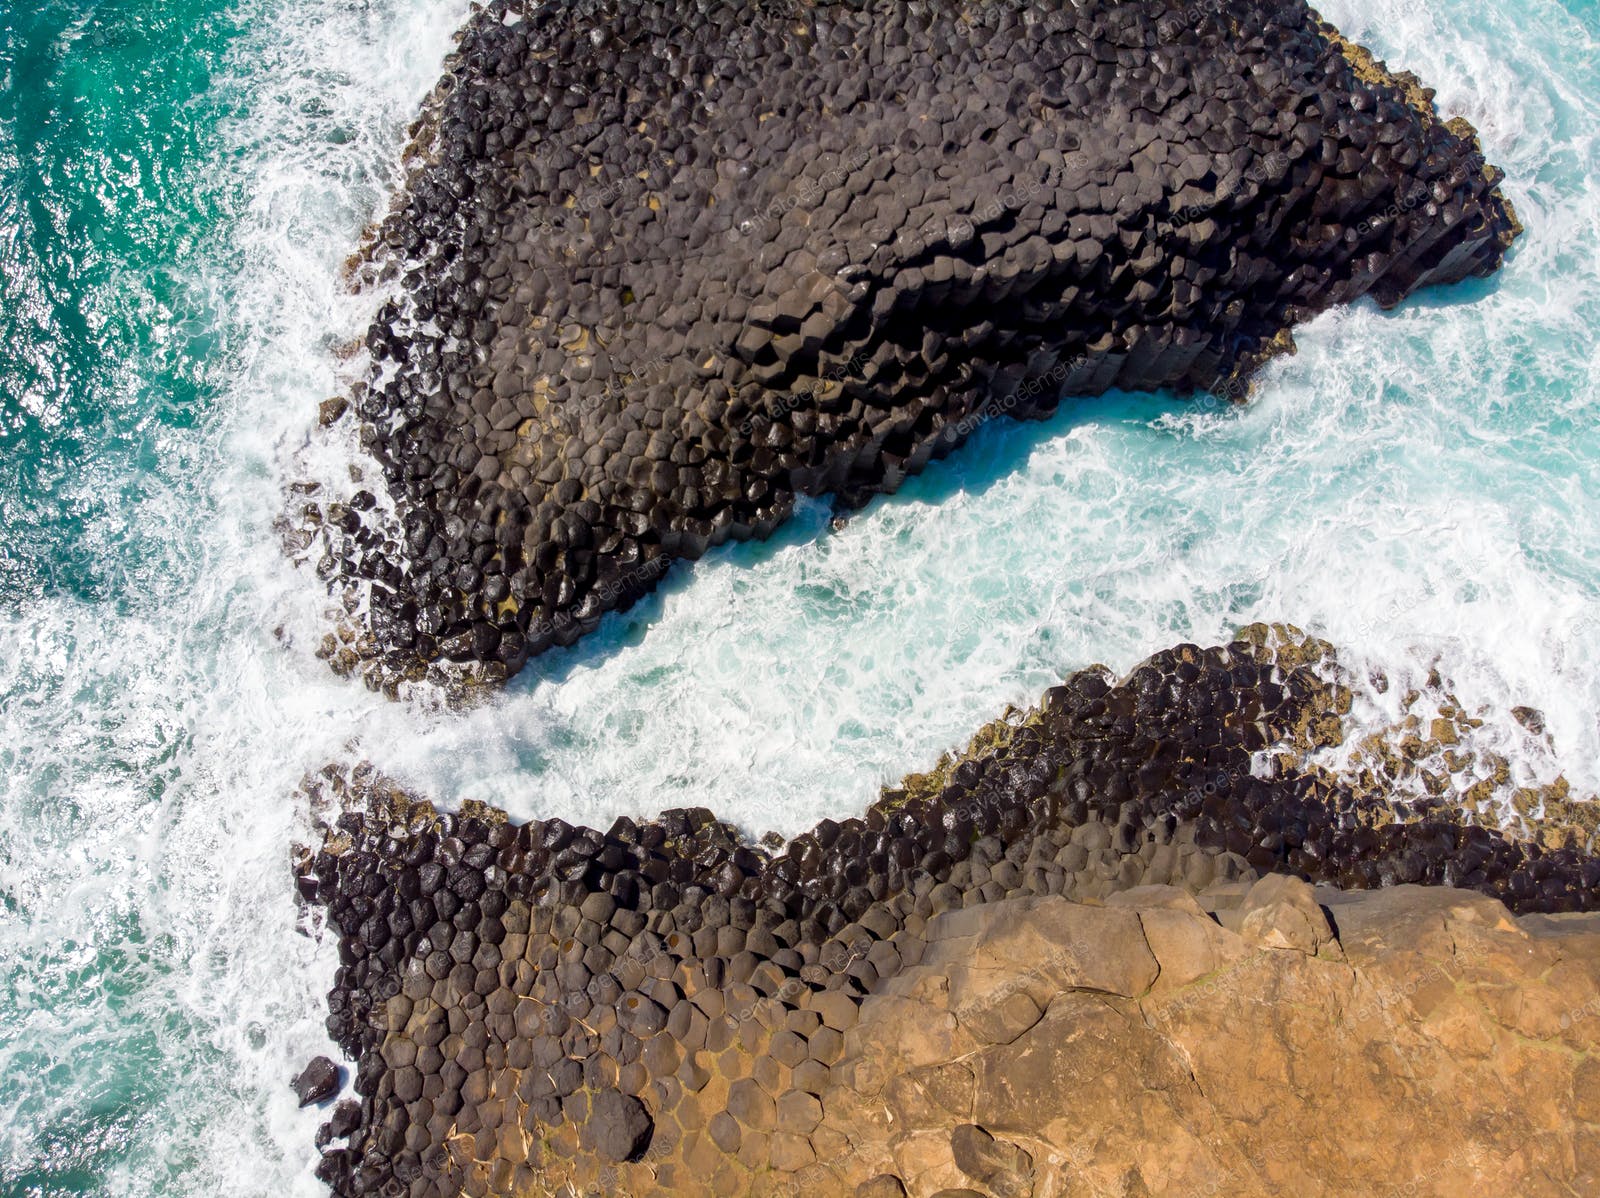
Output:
x,y
1421,1042
1258,1039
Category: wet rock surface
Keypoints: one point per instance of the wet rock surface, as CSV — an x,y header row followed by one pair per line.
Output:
x,y
317,1081
663,267
666,1007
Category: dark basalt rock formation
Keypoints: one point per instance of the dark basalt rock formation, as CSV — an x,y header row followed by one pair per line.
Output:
x,y
317,1081
662,267
503,987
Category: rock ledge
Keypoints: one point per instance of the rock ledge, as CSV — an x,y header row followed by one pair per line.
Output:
x,y
666,1005
663,267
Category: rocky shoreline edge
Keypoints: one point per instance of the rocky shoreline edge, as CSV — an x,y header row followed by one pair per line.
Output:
x,y
668,1007
659,269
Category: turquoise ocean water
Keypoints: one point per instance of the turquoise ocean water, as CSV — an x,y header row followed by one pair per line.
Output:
x,y
179,181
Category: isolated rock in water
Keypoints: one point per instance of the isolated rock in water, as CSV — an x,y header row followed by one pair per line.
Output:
x,y
317,1081
346,1118
663,267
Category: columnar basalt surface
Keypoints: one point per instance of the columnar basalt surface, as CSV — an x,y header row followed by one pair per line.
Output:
x,y
662,267
667,1007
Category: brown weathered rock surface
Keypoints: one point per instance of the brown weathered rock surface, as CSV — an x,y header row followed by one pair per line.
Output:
x,y
1256,1039
1436,1046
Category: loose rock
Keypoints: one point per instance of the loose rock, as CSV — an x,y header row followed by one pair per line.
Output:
x,y
317,1081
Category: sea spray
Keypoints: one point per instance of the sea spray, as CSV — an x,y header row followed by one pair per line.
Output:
x,y
155,996
153,726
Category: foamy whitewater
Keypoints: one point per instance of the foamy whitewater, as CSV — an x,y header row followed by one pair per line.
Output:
x,y
1419,486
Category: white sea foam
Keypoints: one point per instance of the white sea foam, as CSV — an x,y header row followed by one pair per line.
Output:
x,y
157,996
1417,486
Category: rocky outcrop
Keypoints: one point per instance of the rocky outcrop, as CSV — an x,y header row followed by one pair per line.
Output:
x,y
667,1005
1406,1041
663,267
1261,1039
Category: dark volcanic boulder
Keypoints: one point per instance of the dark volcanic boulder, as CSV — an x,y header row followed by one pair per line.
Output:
x,y
318,1080
662,267
618,1128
